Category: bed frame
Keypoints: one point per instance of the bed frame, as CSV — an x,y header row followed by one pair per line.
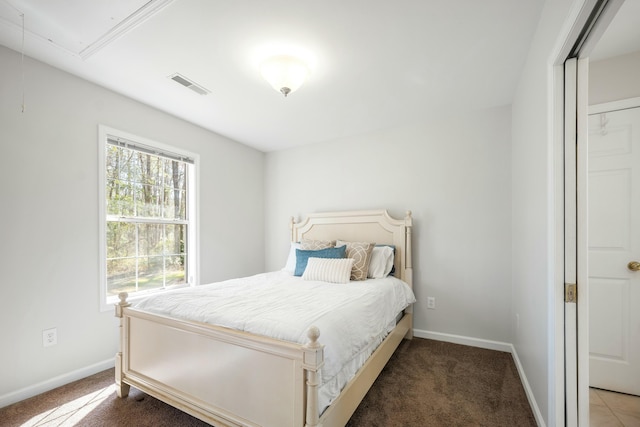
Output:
x,y
232,378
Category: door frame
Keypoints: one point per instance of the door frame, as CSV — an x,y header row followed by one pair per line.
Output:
x,y
622,104
587,22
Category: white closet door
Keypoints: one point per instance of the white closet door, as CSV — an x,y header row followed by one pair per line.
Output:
x,y
575,243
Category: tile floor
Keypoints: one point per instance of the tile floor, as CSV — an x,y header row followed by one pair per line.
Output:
x,y
610,409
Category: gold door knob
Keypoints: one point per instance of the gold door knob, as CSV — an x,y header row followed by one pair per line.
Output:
x,y
634,266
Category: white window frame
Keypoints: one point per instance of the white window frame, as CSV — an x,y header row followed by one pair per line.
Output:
x,y
193,245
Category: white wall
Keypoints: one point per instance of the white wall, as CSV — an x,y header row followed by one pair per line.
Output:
x,y
453,174
49,215
614,79
534,210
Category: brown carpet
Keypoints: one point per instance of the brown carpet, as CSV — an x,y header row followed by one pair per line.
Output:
x,y
434,383
426,383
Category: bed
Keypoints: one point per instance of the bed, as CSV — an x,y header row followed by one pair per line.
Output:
x,y
230,377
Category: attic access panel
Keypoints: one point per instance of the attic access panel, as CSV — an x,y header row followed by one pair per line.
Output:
x,y
78,26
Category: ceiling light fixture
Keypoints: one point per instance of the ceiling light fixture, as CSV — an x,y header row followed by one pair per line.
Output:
x,y
284,73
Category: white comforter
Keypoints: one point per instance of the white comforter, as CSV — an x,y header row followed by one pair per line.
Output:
x,y
353,318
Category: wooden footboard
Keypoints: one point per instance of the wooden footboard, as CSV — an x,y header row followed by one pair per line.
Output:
x,y
222,376
232,378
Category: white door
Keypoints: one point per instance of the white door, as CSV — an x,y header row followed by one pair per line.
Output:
x,y
576,320
570,240
614,242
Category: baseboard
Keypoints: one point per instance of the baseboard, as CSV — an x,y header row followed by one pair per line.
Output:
x,y
50,384
490,345
527,389
459,339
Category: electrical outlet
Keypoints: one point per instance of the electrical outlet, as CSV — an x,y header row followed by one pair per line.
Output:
x,y
431,303
49,337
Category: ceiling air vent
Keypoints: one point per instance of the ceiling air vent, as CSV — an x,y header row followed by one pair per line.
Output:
x,y
179,78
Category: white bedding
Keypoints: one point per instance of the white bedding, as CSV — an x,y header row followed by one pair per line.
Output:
x,y
353,318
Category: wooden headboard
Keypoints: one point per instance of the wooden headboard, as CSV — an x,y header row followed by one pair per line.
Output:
x,y
362,226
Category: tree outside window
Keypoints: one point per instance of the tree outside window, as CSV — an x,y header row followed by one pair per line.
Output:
x,y
147,218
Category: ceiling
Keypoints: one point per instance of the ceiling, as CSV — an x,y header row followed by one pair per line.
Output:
x,y
622,36
378,63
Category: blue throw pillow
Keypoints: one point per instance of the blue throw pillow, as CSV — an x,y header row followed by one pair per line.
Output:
x,y
302,257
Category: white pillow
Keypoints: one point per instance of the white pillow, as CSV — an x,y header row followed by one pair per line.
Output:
x,y
290,266
333,270
381,262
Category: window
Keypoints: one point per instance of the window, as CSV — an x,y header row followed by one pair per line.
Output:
x,y
147,209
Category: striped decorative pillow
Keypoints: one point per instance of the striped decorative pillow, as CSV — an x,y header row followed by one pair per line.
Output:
x,y
333,270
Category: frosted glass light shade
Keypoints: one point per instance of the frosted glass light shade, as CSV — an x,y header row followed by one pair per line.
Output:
x,y
284,73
